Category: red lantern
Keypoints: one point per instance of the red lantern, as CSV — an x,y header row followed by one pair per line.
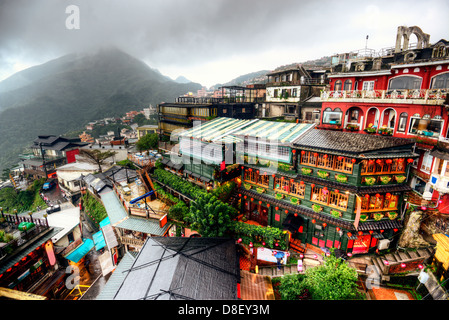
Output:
x,y
401,160
395,230
240,195
377,195
349,234
273,175
257,171
268,205
260,202
324,225
244,197
250,170
296,214
410,160
378,161
276,208
276,244
370,161
337,191
291,180
360,233
340,158
312,185
338,229
403,265
293,151
313,220
263,243
388,195
315,154
353,160
382,231
367,196
252,199
325,156
303,152
371,232
286,211
325,188
389,161
301,182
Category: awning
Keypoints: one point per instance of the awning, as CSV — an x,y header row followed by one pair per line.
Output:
x,y
196,175
204,179
99,240
77,254
440,154
109,237
187,171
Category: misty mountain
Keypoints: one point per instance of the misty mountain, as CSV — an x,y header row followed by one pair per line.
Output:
x,y
249,78
182,79
64,94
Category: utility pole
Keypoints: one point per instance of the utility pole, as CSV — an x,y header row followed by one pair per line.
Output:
x,y
43,160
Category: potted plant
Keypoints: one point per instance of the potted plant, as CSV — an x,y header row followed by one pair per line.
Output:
x,y
247,186
323,174
279,196
363,217
306,171
317,208
369,181
378,216
352,127
400,178
392,215
370,129
260,190
385,179
335,213
294,200
341,178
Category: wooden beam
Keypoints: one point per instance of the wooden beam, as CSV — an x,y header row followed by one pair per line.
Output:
x,y
19,295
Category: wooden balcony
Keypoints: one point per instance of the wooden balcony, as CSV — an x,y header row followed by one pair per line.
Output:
x,y
132,241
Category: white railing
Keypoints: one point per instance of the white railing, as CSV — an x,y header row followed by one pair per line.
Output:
x,y
426,96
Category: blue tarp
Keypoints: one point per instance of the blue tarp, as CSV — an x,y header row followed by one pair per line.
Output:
x,y
104,222
77,254
99,240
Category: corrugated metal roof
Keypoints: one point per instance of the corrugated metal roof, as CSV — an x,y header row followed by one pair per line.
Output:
x,y
114,208
149,226
115,281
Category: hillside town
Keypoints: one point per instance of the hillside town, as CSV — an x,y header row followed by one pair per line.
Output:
x,y
260,191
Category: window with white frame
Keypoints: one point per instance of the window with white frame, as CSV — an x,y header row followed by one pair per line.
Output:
x,y
332,116
427,160
405,83
368,86
402,124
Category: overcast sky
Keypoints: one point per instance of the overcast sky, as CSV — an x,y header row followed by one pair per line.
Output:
x,y
209,41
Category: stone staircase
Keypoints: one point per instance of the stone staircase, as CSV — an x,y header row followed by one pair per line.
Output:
x,y
273,271
297,246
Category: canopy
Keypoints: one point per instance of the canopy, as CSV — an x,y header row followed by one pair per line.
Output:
x,y
99,240
77,254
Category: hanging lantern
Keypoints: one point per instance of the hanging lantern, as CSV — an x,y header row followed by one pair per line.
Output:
x,y
324,225
301,182
268,205
244,197
401,160
410,160
395,230
286,211
276,208
273,175
263,243
371,232
325,189
353,160
389,161
293,151
388,195
336,191
378,161
420,266
349,234
312,185
240,240
338,229
340,158
315,154
367,195
252,199
382,231
303,152
240,195
291,180
360,233
377,195
250,170
257,171
276,244
296,214
370,161
282,178
403,265
260,202
325,156
386,262
313,220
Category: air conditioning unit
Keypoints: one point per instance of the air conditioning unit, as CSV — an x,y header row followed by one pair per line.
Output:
x,y
383,244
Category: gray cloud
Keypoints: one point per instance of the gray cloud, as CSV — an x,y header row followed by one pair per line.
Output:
x,y
183,32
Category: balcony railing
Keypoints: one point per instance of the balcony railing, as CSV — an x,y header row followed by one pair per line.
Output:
x,y
426,96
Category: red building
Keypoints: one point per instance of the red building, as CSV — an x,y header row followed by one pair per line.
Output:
x,y
400,92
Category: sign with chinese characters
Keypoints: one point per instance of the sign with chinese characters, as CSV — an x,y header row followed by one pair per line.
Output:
x,y
270,255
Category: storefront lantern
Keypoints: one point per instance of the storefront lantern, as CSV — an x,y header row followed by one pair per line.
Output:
x,y
371,232
395,230
295,214
403,265
360,233
303,152
389,161
273,175
313,220
293,151
250,170
252,199
260,202
301,182
340,158
312,185
315,154
324,225
338,229
276,208
388,195
382,231
349,234
240,195
370,161
353,160
367,196
286,211
377,195
410,160
263,243
268,205
337,191
291,180
325,156
244,197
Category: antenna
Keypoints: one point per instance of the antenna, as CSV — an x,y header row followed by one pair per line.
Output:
x,y
366,42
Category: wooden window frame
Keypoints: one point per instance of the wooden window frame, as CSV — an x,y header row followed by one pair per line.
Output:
x,y
319,161
384,168
383,201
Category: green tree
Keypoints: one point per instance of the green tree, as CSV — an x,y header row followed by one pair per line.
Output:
x,y
334,280
209,216
292,286
96,156
148,141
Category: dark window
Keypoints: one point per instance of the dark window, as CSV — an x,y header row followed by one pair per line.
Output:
x,y
440,81
332,116
402,125
348,85
337,85
404,83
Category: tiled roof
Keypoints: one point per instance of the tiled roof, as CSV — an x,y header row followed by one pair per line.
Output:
x,y
349,142
182,268
114,208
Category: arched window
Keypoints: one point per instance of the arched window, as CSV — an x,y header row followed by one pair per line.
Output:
x,y
348,85
337,85
402,124
332,116
440,81
405,83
